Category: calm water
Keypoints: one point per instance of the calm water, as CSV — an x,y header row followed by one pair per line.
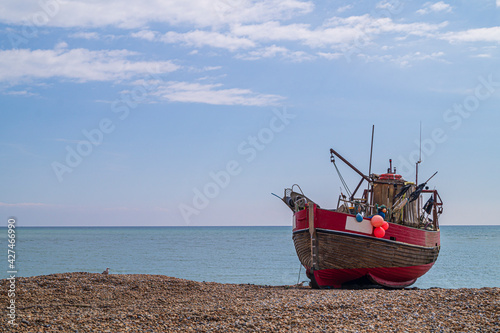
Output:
x,y
469,257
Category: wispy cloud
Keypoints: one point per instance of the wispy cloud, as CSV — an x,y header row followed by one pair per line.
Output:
x,y
213,94
250,30
136,14
22,93
336,32
85,35
198,39
430,7
267,39
330,55
146,34
81,65
84,208
24,204
276,51
390,5
406,60
491,34
483,55
344,8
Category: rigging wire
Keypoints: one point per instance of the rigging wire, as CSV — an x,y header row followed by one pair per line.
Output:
x,y
341,178
300,270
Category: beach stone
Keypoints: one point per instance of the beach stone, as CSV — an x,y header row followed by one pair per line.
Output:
x,y
85,302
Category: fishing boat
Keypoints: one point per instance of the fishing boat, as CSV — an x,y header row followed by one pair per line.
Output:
x,y
385,236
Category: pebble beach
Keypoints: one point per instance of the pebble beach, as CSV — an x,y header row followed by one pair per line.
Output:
x,y
89,302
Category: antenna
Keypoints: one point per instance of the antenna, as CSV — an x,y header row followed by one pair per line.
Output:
x,y
419,155
370,195
420,145
371,152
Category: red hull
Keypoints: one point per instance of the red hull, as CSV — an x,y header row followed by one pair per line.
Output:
x,y
347,250
392,277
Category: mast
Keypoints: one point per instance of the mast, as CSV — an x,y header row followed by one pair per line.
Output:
x,y
419,156
371,153
369,196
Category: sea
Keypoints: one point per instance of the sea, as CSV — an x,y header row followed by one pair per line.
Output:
x,y
469,256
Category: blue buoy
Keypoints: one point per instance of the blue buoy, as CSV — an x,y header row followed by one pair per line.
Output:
x,y
359,217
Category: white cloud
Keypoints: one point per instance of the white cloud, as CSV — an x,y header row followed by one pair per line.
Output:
x,y
273,31
61,46
394,7
135,14
417,56
75,64
330,56
146,34
498,3
336,32
266,52
83,65
483,55
85,35
344,8
213,94
200,38
491,34
19,93
430,7
375,26
211,68
274,51
405,60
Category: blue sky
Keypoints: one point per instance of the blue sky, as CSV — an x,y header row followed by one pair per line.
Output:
x,y
193,112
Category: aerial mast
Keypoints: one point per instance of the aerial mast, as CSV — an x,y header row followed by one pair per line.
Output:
x,y
371,153
419,156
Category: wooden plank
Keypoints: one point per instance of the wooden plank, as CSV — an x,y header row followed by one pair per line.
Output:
x,y
346,252
384,196
314,239
310,211
336,251
390,196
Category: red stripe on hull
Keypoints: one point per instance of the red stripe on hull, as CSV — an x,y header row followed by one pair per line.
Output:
x,y
328,220
395,277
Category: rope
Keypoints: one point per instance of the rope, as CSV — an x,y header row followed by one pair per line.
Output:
x,y
341,178
300,270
